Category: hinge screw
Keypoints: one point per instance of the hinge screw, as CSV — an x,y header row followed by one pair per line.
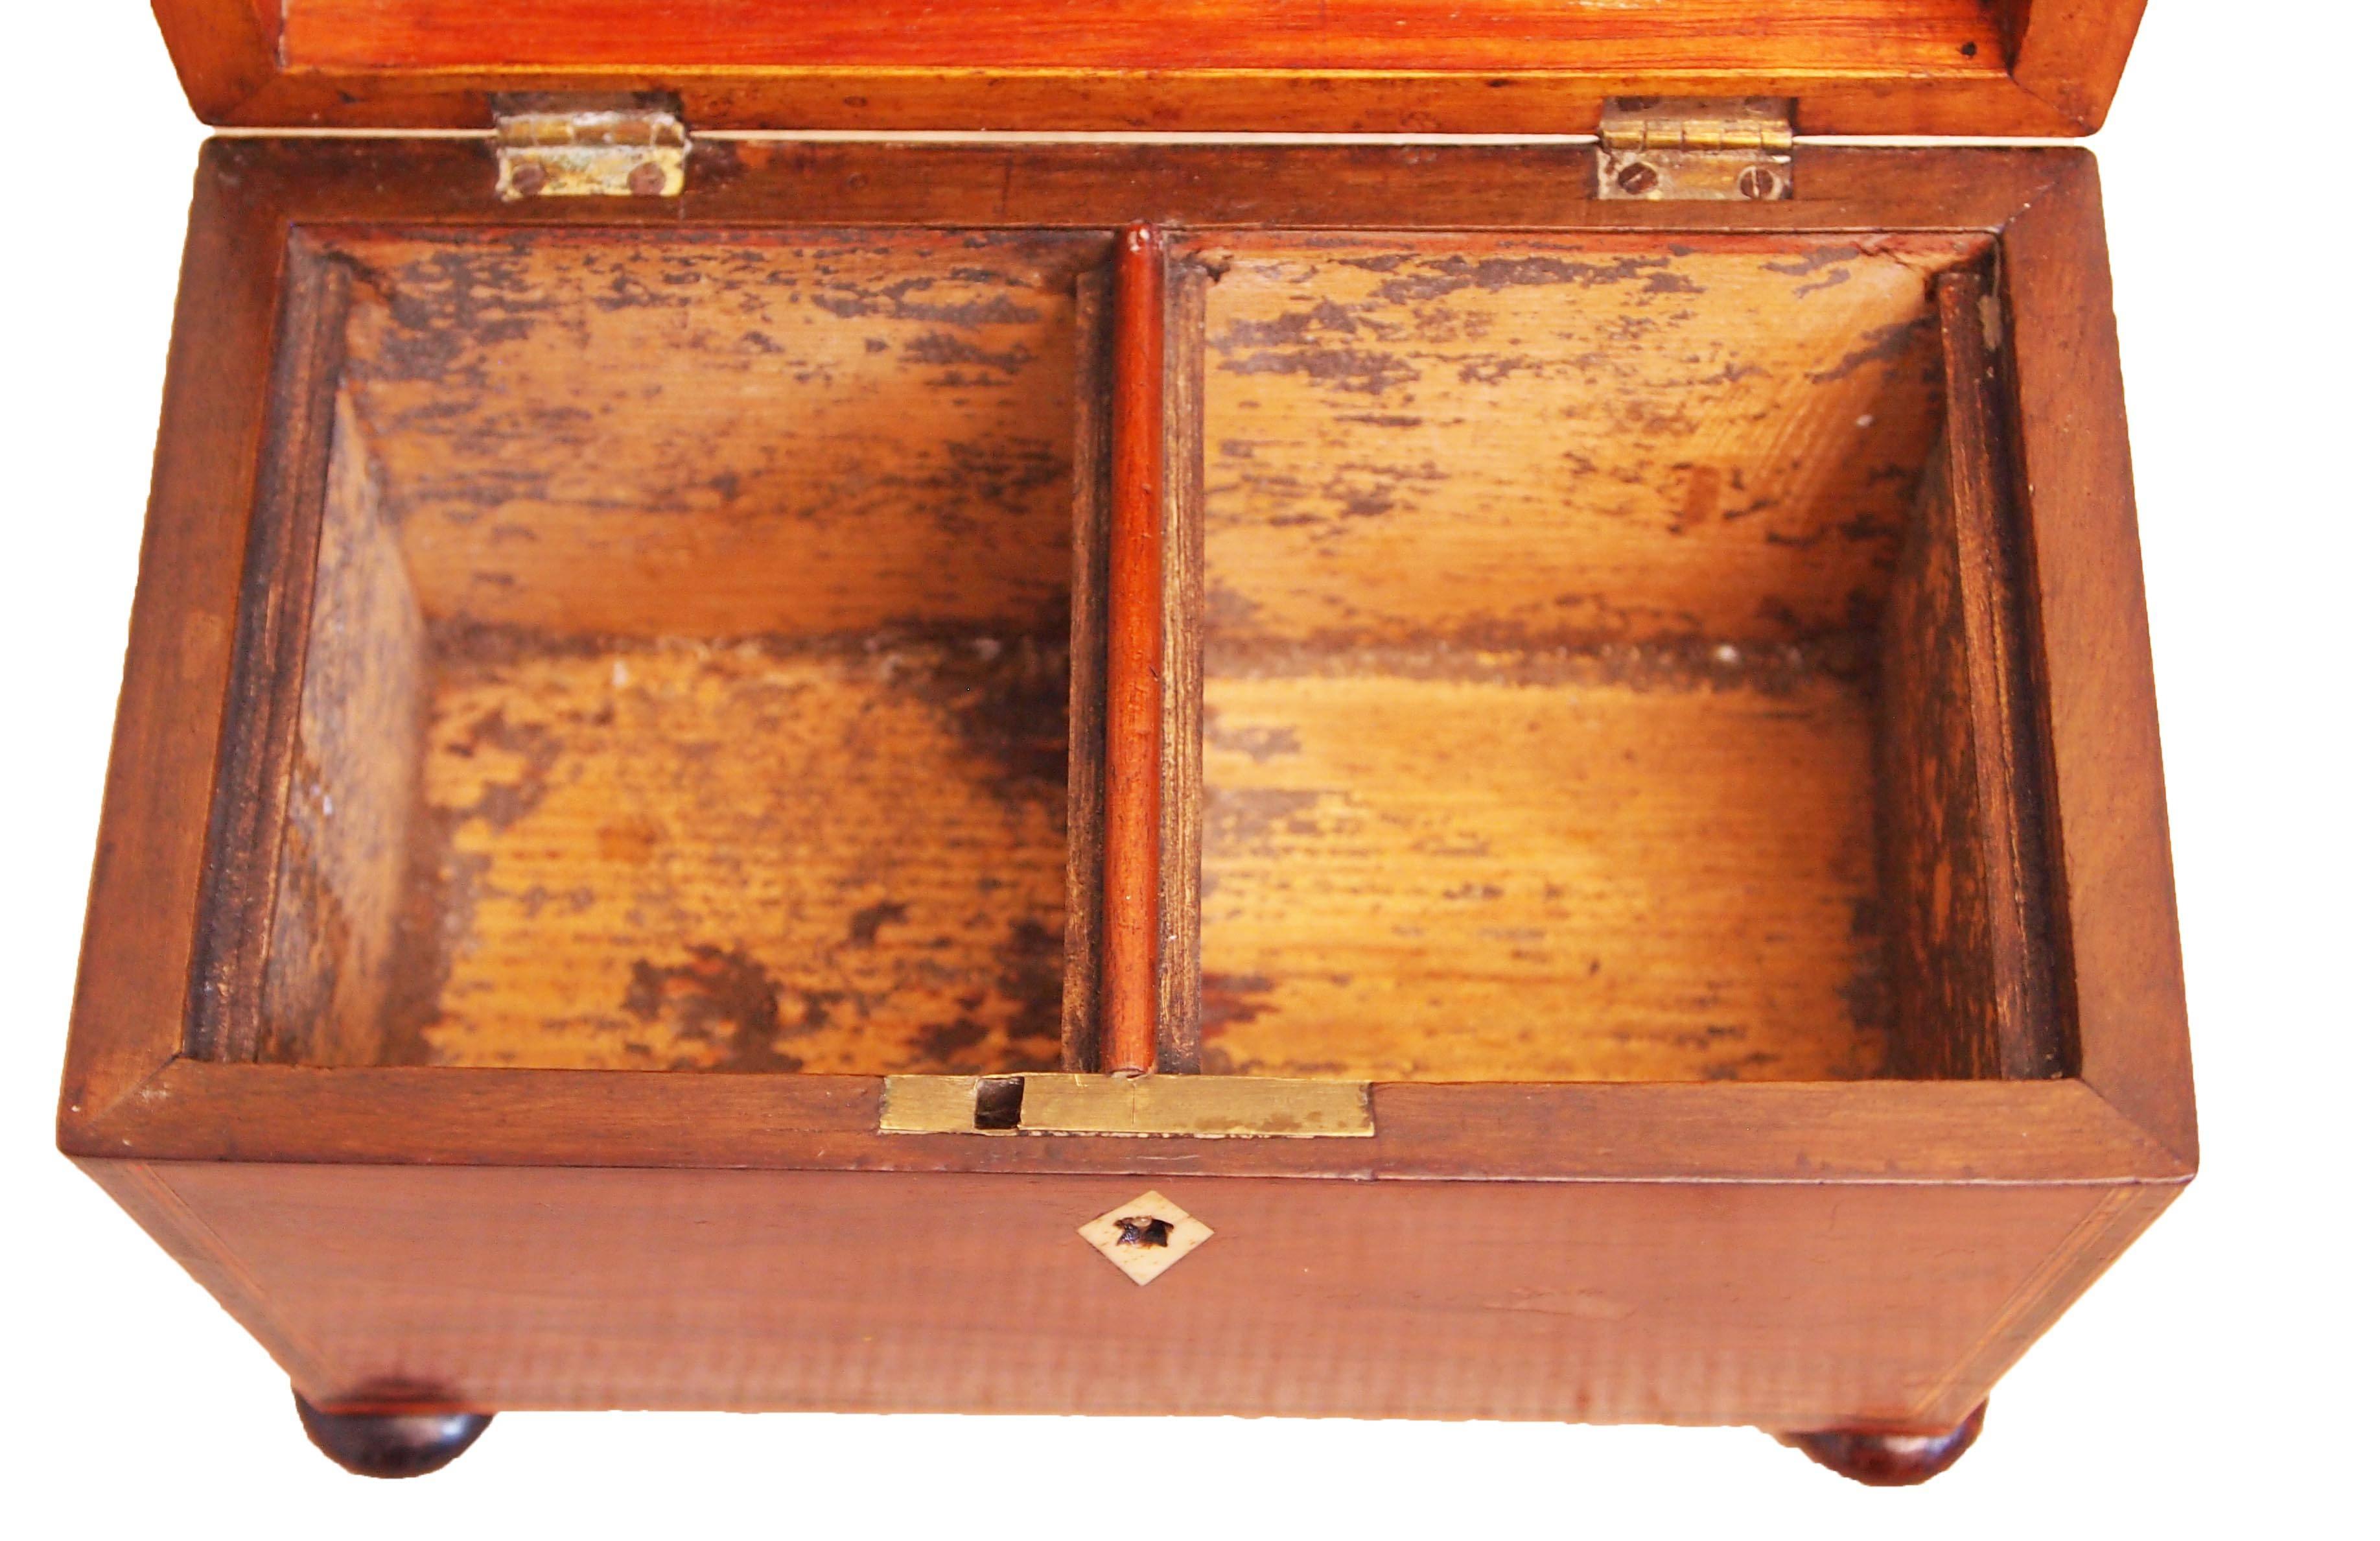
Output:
x,y
1756,183
1637,179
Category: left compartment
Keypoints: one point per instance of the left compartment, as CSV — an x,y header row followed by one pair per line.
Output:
x,y
655,654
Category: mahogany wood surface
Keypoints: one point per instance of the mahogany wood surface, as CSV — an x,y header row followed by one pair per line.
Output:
x,y
1797,1307
1867,66
252,192
2112,869
1135,656
1886,1248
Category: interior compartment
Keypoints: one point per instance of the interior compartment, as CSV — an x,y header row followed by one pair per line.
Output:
x,y
1544,580
685,683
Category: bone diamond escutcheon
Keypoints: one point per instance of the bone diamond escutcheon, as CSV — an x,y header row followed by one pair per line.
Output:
x,y
1146,1236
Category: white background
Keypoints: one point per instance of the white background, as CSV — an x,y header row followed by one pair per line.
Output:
x,y
2217,1378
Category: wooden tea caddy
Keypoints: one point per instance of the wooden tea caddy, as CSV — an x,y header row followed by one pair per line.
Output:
x,y
1419,778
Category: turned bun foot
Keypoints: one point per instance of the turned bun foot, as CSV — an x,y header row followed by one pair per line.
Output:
x,y
1889,1459
389,1444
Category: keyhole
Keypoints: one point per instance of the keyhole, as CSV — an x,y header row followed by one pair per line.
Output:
x,y
1144,1230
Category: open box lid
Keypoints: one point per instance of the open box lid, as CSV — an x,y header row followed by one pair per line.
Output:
x,y
1903,68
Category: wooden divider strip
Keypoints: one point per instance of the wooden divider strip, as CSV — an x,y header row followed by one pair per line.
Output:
x,y
259,724
1135,657
1086,677
1993,579
1183,783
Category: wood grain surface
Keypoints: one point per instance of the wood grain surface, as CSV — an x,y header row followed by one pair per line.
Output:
x,y
1135,654
711,600
1087,672
724,434
1998,67
1782,1253
296,472
1540,581
1795,1306
332,919
1510,866
1182,829
1562,440
1965,863
2118,935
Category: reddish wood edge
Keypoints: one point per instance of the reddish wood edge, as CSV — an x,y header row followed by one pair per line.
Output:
x,y
2111,1225
150,1199
2068,56
1135,656
131,984
2113,864
1837,1132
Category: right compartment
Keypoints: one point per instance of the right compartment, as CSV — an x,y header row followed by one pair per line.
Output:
x,y
1610,668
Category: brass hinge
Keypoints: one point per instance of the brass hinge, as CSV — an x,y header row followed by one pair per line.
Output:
x,y
1696,147
553,147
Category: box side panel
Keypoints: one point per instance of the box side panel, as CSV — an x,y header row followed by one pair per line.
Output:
x,y
1786,1306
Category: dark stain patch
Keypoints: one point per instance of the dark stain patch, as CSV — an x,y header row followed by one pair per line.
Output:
x,y
1866,995
1032,977
1259,743
909,299
1226,607
1342,369
942,1043
1006,697
1834,277
1288,329
942,349
1884,344
1243,820
866,923
818,1009
1225,1000
720,998
1813,259
503,804
1769,668
1704,486
1440,276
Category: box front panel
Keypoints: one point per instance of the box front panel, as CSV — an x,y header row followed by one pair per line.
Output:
x,y
1787,1305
